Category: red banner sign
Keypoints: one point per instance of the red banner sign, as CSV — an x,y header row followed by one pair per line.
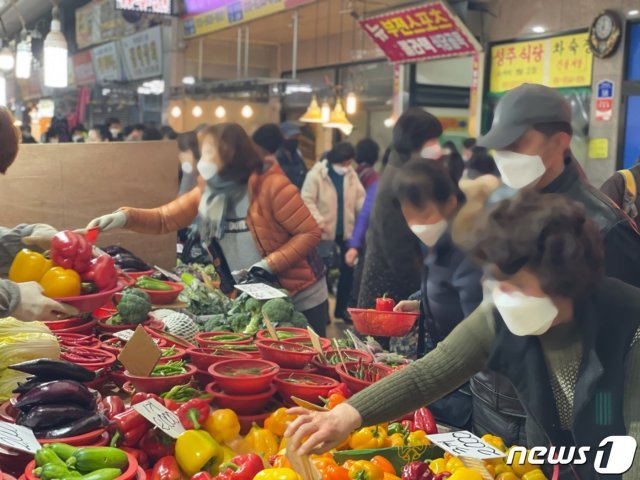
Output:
x,y
421,33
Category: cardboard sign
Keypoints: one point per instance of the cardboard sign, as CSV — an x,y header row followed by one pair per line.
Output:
x,y
140,354
160,416
124,335
465,444
269,325
18,438
261,291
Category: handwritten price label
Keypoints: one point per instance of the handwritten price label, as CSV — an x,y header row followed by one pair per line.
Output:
x,y
124,335
160,416
465,444
18,438
261,291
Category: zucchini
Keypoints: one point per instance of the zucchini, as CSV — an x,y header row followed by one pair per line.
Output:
x,y
63,450
52,471
90,459
46,456
102,474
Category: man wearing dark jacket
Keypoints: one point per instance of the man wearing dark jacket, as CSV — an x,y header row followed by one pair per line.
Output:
x,y
531,134
289,156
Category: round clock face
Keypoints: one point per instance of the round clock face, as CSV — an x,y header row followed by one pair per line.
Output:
x,y
604,27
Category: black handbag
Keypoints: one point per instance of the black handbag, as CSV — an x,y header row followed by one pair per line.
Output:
x,y
329,252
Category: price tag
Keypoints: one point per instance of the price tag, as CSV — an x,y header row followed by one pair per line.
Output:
x,y
465,444
140,354
124,335
18,438
261,291
160,416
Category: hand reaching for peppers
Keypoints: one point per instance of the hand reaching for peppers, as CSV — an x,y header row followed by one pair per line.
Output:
x,y
35,306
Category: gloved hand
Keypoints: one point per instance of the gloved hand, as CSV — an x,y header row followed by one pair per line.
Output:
x,y
35,306
41,236
112,221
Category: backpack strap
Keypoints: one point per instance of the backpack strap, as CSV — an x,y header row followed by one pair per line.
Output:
x,y
631,192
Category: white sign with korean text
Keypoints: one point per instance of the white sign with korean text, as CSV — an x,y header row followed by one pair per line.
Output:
x,y
465,444
261,291
18,438
106,63
160,416
142,53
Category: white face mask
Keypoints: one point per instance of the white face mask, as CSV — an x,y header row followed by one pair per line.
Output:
x,y
208,170
523,314
519,170
187,167
114,132
341,169
433,152
429,234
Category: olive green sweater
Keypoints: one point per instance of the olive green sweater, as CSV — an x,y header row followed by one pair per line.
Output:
x,y
465,352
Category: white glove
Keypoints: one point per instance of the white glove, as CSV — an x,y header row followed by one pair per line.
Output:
x,y
113,221
40,236
34,306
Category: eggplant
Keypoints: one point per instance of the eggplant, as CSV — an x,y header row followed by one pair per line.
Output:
x,y
67,392
52,415
79,427
31,382
130,263
55,370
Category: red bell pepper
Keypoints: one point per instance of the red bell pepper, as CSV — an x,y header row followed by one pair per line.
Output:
x,y
140,456
242,467
142,396
71,250
194,413
130,428
157,444
166,469
423,420
202,476
385,304
341,389
408,424
102,272
112,406
172,404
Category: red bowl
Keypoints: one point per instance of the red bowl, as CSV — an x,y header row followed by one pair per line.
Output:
x,y
82,328
55,325
355,384
129,474
91,302
382,324
314,386
118,377
296,332
247,383
106,363
179,354
88,438
208,339
247,421
329,370
168,339
325,343
111,344
308,369
72,339
241,404
203,358
136,275
160,384
285,354
165,297
203,378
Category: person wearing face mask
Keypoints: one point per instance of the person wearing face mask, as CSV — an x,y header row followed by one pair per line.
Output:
x,y
562,332
334,195
188,155
250,217
451,288
288,155
393,255
115,130
78,134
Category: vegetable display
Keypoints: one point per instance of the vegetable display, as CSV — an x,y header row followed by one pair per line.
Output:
x,y
60,461
133,308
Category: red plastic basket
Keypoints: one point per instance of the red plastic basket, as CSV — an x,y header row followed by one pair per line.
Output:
x,y
382,324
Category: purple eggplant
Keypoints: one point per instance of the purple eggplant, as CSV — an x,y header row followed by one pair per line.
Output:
x,y
67,392
79,427
46,368
30,383
52,415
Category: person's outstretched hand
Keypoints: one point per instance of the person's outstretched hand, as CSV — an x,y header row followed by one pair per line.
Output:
x,y
317,432
112,221
34,306
41,236
407,306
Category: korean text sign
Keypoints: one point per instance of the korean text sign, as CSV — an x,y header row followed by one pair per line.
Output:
x,y
426,32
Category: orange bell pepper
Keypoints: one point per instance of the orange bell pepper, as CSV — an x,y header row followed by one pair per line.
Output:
x,y
223,425
280,461
335,472
390,476
384,464
277,422
334,400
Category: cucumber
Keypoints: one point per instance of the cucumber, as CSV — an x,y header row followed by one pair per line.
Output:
x,y
46,456
90,459
52,471
102,474
64,451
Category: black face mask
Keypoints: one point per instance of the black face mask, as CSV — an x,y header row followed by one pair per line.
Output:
x,y
291,145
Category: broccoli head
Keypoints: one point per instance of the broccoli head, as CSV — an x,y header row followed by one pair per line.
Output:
x,y
239,321
217,323
134,306
252,305
279,310
298,320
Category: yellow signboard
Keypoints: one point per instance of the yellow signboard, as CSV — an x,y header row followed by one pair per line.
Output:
x,y
563,61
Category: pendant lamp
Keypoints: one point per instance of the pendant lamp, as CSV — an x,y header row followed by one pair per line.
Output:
x,y
338,118
313,113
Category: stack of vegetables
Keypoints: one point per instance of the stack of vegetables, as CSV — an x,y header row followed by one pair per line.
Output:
x,y
62,461
132,309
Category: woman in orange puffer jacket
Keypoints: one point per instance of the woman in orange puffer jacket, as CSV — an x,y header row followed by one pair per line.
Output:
x,y
249,213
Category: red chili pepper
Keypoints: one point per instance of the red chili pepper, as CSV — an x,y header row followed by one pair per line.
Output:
x,y
141,397
112,405
423,420
242,467
102,272
141,457
71,250
193,413
385,304
202,476
157,444
131,426
166,469
341,389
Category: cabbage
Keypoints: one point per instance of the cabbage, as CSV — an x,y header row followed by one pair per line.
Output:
x,y
10,326
9,380
27,346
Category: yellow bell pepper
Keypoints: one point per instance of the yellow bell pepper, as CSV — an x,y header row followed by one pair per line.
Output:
x,y
223,425
453,464
224,456
262,441
29,266
417,439
518,469
277,474
368,438
466,474
363,470
495,441
438,465
61,282
502,468
507,476
536,474
395,440
194,450
277,422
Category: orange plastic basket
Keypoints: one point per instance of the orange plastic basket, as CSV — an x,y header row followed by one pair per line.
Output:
x,y
382,324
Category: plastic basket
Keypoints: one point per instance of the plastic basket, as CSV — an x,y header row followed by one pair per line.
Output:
x,y
382,324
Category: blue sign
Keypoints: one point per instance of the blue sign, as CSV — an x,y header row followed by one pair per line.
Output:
x,y
605,89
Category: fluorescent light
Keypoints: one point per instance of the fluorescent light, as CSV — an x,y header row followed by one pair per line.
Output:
x,y
189,80
326,111
197,111
633,13
247,111
55,55
176,111
538,29
23,58
352,104
220,112
7,61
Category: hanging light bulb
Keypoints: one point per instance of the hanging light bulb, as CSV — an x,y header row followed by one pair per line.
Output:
x,y
326,111
24,57
313,113
247,111
220,112
352,104
338,118
197,111
55,54
6,59
176,111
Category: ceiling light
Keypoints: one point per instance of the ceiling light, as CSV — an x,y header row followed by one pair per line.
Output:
x,y
389,122
352,104
55,55
176,111
338,118
197,111
326,111
633,13
247,111
220,112
189,80
17,123
24,57
538,29
6,59
313,113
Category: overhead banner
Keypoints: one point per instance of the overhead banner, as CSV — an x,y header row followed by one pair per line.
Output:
x,y
83,68
558,62
221,14
142,54
426,32
106,63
